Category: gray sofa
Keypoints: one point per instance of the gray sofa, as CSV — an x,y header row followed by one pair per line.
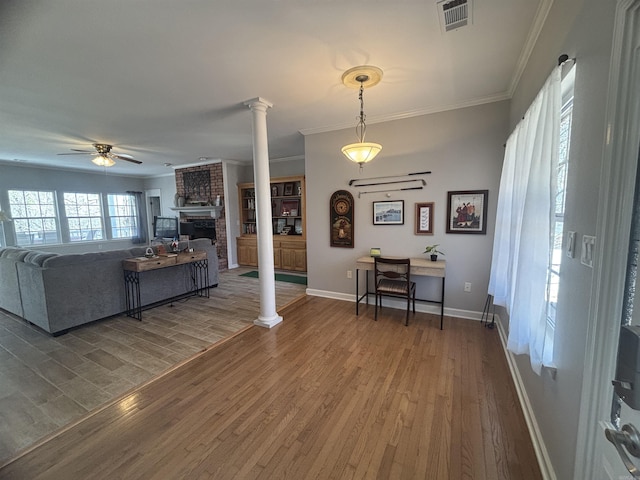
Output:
x,y
60,291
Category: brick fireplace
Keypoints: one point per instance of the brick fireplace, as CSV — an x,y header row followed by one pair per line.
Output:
x,y
201,185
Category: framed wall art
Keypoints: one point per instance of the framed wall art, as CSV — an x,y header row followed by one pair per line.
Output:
x,y
424,218
341,219
467,211
388,212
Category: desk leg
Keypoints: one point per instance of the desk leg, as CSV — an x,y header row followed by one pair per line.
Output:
x,y
357,291
442,304
366,293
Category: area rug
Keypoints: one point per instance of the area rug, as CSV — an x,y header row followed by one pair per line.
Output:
x,y
280,277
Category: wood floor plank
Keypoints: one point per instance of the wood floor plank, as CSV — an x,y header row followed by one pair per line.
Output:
x,y
323,395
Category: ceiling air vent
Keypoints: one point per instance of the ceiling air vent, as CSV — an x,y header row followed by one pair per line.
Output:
x,y
454,14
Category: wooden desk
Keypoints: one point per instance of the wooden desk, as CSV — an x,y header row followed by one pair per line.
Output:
x,y
419,266
134,266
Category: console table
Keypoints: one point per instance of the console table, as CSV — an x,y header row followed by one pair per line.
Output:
x,y
132,267
419,266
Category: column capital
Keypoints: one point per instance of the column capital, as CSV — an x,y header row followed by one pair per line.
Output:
x,y
259,102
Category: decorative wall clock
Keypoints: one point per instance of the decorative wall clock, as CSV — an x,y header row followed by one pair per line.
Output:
x,y
341,218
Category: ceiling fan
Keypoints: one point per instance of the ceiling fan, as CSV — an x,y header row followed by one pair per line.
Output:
x,y
103,156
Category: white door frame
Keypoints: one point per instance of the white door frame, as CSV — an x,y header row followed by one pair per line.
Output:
x,y
617,187
153,192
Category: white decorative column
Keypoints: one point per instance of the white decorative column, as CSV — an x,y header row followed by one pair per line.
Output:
x,y
268,315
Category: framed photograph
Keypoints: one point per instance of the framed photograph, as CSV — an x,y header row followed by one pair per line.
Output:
x,y
288,189
389,212
424,218
467,211
289,208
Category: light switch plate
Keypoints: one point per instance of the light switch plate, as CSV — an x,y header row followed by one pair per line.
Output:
x,y
588,250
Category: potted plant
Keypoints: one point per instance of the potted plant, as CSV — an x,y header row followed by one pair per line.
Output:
x,y
433,251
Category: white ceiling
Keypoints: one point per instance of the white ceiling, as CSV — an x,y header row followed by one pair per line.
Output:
x,y
165,80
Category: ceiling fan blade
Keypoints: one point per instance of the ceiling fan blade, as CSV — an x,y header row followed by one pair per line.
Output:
x,y
83,151
78,153
126,159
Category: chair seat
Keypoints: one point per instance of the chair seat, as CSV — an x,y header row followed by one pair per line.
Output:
x,y
394,287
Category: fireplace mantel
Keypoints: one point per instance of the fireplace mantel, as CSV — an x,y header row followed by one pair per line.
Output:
x,y
212,210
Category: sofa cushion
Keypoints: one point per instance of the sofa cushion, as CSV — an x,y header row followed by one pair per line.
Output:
x,y
16,254
38,258
83,258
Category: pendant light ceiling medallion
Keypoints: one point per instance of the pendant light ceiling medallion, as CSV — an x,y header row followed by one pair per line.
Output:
x,y
361,77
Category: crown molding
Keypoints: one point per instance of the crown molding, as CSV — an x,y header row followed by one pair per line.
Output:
x,y
413,113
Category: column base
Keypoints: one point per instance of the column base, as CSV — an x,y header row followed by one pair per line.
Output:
x,y
268,322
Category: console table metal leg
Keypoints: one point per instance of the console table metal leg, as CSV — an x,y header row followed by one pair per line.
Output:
x,y
200,278
132,294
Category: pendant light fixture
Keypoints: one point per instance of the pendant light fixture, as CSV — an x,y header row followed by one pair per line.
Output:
x,y
361,77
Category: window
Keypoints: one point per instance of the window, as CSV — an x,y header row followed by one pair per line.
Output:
x,y
84,216
553,272
34,217
122,215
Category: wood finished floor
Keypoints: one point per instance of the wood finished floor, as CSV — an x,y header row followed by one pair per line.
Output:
x,y
47,382
325,394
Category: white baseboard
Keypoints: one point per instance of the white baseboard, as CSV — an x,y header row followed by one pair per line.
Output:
x,y
546,467
399,304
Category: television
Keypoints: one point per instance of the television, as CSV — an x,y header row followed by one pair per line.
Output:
x,y
165,227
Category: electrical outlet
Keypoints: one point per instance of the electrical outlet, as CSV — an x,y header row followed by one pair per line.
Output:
x,y
349,274
467,286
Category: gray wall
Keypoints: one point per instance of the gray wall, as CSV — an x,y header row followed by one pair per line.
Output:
x,y
21,177
581,29
464,151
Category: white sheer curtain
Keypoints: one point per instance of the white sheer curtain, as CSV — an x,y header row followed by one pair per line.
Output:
x,y
523,237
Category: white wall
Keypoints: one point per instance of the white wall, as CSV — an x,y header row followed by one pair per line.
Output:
x,y
464,151
581,29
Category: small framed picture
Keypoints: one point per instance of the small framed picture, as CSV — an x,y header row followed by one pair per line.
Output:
x,y
467,211
288,189
289,208
390,212
424,218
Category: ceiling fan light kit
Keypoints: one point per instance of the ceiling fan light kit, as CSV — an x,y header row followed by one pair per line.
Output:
x,y
103,161
361,77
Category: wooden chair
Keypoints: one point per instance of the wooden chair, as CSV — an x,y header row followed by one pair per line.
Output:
x,y
393,279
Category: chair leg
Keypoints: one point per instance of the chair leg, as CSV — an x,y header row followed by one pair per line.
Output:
x,y
375,316
406,322
414,302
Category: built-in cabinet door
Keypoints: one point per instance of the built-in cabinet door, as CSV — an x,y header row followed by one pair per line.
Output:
x,y
247,254
294,257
